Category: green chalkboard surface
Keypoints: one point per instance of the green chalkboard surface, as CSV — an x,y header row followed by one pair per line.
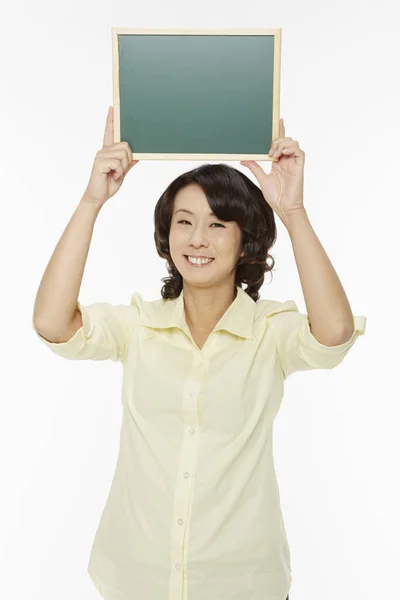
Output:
x,y
196,94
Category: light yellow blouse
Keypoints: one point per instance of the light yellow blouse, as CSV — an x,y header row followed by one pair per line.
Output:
x,y
194,511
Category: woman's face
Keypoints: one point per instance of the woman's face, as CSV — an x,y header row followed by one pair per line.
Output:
x,y
200,234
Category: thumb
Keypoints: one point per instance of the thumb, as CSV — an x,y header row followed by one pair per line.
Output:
x,y
255,168
130,166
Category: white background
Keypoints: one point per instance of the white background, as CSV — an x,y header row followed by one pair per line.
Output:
x,y
336,437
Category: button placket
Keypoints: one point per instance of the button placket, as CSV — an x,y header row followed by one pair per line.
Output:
x,y
188,457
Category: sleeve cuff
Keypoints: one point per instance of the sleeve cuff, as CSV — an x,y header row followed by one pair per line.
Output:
x,y
75,344
359,329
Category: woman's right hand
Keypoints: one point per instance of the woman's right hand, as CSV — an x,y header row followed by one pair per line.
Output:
x,y
110,166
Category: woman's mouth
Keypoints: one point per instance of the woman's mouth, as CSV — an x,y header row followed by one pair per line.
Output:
x,y
198,262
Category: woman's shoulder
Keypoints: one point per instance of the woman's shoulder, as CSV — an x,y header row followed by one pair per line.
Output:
x,y
269,308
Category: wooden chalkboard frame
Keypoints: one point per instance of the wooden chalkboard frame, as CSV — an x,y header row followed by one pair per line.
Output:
x,y
277,35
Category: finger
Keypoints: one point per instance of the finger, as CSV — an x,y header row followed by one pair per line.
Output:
x,y
119,153
278,141
113,165
281,128
274,145
132,165
286,144
254,168
124,174
125,154
108,138
127,149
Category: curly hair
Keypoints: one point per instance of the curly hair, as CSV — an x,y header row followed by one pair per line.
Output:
x,y
232,197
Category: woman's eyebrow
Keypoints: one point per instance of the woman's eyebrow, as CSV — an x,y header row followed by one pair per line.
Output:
x,y
211,214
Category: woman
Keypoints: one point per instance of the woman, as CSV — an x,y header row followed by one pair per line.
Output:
x,y
193,511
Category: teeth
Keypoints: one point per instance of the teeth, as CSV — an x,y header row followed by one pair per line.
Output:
x,y
199,261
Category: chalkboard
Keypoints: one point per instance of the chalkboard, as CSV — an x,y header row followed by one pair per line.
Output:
x,y
196,94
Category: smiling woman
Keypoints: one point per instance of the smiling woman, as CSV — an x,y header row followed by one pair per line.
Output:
x,y
214,211
204,372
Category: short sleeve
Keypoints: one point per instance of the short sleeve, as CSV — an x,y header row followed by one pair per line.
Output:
x,y
104,334
297,348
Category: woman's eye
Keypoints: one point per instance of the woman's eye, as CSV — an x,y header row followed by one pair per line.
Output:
x,y
184,221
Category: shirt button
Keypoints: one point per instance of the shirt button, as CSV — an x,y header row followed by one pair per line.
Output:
x,y
180,522
191,392
186,475
191,431
177,566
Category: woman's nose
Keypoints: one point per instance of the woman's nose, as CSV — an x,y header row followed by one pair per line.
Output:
x,y
199,236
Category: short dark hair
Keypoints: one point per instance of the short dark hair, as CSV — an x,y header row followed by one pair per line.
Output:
x,y
232,196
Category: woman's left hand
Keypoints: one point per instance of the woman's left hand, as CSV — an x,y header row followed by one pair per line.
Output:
x,y
283,188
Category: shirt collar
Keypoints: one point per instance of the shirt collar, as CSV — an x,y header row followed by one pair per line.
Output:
x,y
237,319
